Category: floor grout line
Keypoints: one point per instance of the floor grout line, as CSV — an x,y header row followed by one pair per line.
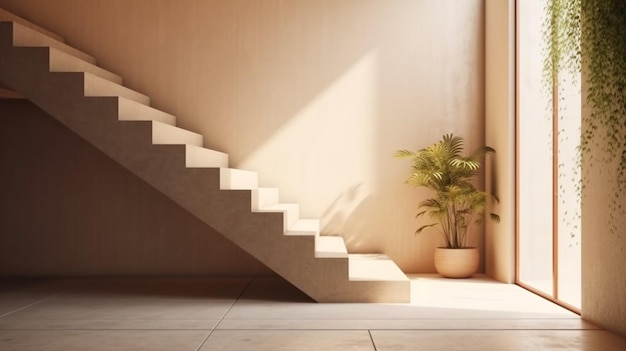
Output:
x,y
225,314
372,339
29,305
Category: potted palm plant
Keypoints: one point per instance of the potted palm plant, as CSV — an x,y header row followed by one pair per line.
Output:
x,y
458,204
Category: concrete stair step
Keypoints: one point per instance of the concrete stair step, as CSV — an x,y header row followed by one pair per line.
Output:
x,y
237,179
199,157
264,197
374,267
130,110
330,247
305,227
291,213
63,62
96,86
27,37
9,17
165,134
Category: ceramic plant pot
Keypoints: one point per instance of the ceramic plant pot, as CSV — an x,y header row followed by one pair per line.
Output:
x,y
456,263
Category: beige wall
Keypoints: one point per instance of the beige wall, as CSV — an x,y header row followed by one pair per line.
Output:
x,y
315,95
67,209
603,252
500,134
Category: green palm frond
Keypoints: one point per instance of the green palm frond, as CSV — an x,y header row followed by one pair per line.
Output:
x,y
420,229
404,154
465,164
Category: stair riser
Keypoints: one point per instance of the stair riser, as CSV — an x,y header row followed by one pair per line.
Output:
x,y
291,216
264,197
232,179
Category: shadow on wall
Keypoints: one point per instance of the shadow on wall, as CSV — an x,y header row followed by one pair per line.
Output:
x,y
315,95
66,209
342,214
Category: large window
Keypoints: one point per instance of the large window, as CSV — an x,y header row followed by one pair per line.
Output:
x,y
548,134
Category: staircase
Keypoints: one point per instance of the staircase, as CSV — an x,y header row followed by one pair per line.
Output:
x,y
92,102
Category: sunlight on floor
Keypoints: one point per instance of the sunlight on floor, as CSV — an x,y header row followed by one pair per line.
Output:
x,y
480,293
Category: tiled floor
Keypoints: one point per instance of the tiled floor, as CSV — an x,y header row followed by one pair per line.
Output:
x,y
269,314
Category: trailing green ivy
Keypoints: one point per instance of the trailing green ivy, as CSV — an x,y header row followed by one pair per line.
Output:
x,y
561,69
591,35
604,52
562,36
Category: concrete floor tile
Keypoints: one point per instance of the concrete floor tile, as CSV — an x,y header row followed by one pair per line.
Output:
x,y
328,340
138,299
100,340
405,324
10,323
498,340
121,307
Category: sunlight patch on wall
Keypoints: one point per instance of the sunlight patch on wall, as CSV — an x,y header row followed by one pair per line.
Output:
x,y
326,147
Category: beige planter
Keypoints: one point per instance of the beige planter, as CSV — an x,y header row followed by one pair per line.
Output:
x,y
456,263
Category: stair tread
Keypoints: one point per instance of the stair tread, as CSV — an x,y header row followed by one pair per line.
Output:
x,y
130,110
278,207
374,267
165,134
10,17
97,86
305,227
330,246
63,62
24,36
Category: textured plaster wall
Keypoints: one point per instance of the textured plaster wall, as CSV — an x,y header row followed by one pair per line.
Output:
x,y
603,251
500,134
67,209
314,95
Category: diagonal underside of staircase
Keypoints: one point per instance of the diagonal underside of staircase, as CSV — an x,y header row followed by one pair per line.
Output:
x,y
92,102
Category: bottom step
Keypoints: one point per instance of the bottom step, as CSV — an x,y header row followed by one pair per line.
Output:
x,y
374,267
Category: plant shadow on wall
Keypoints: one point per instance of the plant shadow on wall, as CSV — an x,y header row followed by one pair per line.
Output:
x,y
589,37
458,204
345,217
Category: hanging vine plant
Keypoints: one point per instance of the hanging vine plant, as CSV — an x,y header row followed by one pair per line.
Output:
x,y
561,77
590,35
604,52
